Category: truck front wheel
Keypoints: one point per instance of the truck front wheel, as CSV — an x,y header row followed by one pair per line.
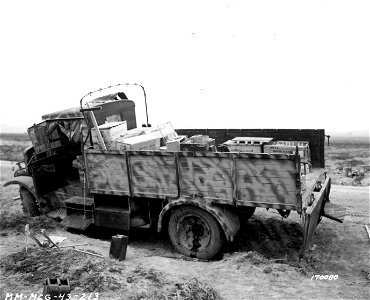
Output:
x,y
195,233
29,204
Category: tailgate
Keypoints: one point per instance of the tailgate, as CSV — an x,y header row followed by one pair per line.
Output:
x,y
321,206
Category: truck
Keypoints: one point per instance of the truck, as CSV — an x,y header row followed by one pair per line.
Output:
x,y
200,196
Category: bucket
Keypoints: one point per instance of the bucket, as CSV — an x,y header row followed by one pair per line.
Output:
x,y
118,247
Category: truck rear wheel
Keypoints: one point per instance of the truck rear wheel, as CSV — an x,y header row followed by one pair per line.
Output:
x,y
195,233
29,203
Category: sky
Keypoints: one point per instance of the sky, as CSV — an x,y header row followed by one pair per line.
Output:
x,y
204,64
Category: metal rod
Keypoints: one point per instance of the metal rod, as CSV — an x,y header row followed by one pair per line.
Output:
x,y
98,255
127,84
48,238
66,246
100,138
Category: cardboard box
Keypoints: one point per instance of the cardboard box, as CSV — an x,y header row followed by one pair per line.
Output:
x,y
109,131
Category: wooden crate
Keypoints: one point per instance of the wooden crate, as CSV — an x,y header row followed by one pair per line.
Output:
x,y
247,144
289,147
109,131
147,141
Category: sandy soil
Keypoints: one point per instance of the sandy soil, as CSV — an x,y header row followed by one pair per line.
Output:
x,y
262,262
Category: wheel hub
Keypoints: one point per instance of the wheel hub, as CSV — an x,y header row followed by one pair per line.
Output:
x,y
193,232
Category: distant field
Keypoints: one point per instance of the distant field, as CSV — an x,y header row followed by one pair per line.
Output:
x,y
21,137
12,146
342,153
347,153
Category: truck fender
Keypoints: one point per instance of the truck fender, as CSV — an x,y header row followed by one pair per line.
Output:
x,y
226,216
24,181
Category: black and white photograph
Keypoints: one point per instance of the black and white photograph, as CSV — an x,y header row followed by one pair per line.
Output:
x,y
184,150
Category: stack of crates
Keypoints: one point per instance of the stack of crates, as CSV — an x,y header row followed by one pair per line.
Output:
x,y
247,144
289,147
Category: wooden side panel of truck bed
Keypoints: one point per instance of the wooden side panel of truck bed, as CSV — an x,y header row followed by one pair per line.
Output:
x,y
266,182
206,175
153,174
107,173
239,179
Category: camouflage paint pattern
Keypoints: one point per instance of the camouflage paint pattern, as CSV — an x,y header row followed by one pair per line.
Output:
x,y
203,176
107,172
226,178
153,176
266,182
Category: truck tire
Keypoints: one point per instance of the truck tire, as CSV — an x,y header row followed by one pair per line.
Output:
x,y
29,203
195,233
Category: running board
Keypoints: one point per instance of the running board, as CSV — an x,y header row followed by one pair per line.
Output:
x,y
59,213
77,221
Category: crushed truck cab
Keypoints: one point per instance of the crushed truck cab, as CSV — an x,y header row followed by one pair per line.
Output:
x,y
92,166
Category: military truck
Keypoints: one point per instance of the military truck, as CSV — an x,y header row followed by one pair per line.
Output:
x,y
199,197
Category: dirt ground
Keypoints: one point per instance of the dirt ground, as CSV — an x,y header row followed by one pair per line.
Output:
x,y
262,263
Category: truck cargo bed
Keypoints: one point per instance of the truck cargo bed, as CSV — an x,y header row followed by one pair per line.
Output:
x,y
238,179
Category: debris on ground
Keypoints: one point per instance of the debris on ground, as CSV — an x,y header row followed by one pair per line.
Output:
x,y
194,290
